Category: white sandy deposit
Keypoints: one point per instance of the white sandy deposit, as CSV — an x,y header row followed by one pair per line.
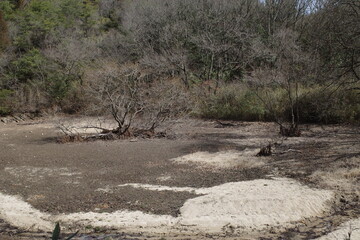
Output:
x,y
245,205
21,214
348,230
223,159
86,125
250,204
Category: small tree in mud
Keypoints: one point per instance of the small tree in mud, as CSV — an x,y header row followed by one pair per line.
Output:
x,y
135,101
119,92
277,80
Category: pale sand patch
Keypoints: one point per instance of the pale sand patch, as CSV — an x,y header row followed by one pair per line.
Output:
x,y
20,214
251,204
251,141
160,187
88,125
257,204
164,178
106,189
223,159
34,174
342,233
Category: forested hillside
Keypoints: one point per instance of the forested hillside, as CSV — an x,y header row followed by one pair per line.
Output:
x,y
282,60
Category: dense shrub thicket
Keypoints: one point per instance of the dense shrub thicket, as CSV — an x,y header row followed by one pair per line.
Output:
x,y
282,60
315,105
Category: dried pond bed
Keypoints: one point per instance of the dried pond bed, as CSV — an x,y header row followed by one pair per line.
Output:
x,y
65,179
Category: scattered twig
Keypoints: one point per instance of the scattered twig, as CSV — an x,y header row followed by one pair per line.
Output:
x,y
265,151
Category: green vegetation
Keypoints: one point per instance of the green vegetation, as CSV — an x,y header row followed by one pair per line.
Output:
x,y
315,105
285,61
233,103
56,233
5,108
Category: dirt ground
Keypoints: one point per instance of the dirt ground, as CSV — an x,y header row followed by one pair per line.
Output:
x,y
92,176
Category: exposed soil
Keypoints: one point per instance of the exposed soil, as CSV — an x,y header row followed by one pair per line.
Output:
x,y
82,177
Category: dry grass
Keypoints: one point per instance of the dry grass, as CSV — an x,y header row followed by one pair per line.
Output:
x,y
344,175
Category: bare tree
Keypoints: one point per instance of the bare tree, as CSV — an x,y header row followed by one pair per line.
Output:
x,y
169,63
119,92
136,103
285,13
286,67
198,40
334,34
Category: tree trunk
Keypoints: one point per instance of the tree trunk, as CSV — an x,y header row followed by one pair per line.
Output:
x,y
4,33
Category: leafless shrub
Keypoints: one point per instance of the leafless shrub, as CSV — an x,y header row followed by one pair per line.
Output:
x,y
136,104
119,91
70,138
285,67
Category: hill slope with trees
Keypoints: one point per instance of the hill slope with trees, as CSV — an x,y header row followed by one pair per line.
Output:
x,y
280,60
